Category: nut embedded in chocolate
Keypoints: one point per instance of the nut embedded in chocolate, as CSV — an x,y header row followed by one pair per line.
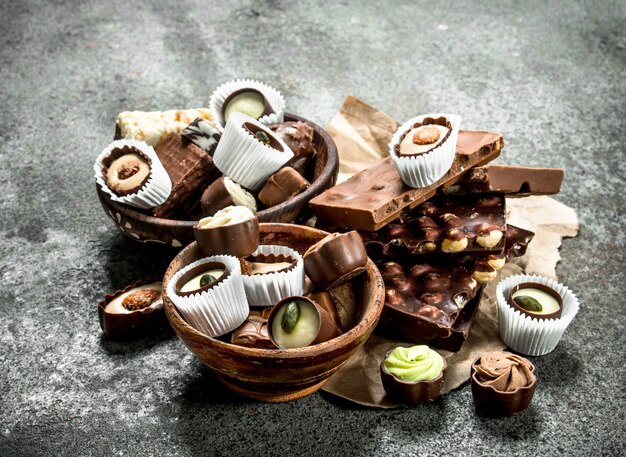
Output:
x,y
135,311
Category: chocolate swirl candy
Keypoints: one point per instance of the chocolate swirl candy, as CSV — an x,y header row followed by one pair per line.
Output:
x,y
504,371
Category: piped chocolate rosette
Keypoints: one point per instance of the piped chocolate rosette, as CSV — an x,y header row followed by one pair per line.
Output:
x,y
209,294
539,315
249,152
413,375
502,383
424,147
272,273
253,98
131,173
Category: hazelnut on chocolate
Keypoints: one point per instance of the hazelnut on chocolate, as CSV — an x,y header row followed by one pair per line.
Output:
x,y
455,241
488,235
126,170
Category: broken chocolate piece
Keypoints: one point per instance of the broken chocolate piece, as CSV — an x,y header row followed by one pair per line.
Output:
x,y
376,196
281,186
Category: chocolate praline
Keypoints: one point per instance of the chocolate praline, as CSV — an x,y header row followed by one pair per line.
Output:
x,y
199,270
255,96
132,321
539,301
126,170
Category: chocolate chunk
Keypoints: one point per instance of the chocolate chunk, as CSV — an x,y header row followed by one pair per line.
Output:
x,y
203,134
511,180
298,136
465,223
376,196
189,169
225,192
253,333
281,186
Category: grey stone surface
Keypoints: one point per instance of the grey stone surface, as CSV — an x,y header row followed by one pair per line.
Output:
x,y
549,75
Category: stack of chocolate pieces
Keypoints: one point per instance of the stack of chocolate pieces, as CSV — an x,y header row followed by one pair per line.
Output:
x,y
436,246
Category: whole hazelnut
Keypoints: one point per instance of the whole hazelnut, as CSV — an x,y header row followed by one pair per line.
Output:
x,y
455,241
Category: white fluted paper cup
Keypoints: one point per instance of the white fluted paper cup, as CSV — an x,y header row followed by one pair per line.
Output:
x,y
218,310
267,289
273,97
242,157
529,335
154,191
422,170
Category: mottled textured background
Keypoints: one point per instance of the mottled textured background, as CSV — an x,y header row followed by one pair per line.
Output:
x,y
549,75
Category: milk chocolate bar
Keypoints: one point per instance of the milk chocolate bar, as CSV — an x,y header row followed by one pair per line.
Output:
x,y
376,196
511,180
190,169
472,223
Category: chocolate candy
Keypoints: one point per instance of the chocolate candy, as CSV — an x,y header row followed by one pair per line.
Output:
x,y
253,333
136,310
203,134
298,322
336,259
424,137
298,136
126,170
536,300
376,196
466,223
511,180
201,278
225,192
281,186
189,168
248,101
231,231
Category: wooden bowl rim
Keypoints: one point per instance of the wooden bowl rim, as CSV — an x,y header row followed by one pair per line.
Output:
x,y
330,168
308,352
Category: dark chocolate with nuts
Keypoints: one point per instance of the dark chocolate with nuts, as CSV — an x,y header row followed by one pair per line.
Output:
x,y
376,196
451,224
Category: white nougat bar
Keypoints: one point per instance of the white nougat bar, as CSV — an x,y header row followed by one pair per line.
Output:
x,y
154,126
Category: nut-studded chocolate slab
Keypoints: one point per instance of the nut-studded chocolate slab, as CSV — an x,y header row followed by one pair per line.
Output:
x,y
429,296
376,196
512,180
473,223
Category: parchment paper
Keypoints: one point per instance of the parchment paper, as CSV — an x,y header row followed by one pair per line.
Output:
x,y
362,133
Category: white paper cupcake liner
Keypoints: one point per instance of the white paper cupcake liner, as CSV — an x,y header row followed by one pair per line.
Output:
x,y
425,169
218,310
269,288
156,189
243,158
273,97
528,335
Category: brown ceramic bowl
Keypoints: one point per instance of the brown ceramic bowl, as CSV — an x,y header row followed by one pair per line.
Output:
x,y
146,228
280,374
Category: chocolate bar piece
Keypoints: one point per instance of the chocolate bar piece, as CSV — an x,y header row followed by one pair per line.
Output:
x,y
511,180
472,223
189,168
376,196
203,134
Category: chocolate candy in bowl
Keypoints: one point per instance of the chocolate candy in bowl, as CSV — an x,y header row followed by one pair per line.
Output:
x,y
281,374
142,226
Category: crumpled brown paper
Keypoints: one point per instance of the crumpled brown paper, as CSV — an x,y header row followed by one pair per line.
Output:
x,y
362,134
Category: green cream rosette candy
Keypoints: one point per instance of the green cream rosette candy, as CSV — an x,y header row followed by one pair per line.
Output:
x,y
417,363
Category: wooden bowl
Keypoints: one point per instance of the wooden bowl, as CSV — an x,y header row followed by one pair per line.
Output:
x,y
280,374
146,228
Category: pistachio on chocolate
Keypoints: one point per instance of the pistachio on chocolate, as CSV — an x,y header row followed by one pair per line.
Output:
x,y
290,318
528,303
